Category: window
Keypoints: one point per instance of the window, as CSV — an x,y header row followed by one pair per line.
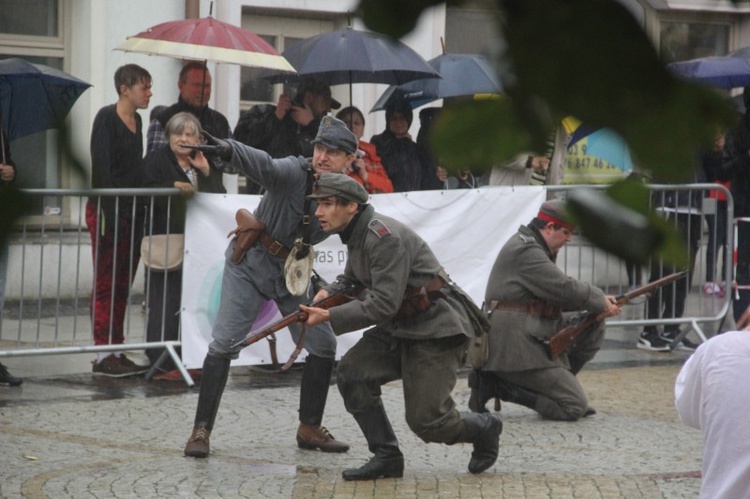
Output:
x,y
683,40
30,30
280,32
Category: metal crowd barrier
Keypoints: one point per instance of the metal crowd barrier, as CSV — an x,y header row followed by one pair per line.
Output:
x,y
582,260
51,270
51,266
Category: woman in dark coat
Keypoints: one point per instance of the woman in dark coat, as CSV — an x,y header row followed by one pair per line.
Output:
x,y
189,171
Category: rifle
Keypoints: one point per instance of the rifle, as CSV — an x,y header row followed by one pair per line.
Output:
x,y
344,295
566,337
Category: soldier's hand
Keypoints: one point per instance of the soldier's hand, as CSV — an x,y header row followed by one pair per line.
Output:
x,y
321,295
315,315
611,308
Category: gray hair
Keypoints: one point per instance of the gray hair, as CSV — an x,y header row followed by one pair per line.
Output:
x,y
180,121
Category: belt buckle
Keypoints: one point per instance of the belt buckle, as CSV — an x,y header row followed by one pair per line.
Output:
x,y
274,248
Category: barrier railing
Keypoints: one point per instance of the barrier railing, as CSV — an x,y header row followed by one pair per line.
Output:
x,y
583,261
56,256
53,265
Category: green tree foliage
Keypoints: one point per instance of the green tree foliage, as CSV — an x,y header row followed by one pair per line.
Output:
x,y
584,58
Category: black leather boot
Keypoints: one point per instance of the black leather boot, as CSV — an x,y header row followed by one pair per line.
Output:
x,y
316,380
388,462
483,430
481,390
213,381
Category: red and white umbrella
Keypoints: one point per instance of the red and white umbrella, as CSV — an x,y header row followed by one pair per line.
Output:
x,y
207,39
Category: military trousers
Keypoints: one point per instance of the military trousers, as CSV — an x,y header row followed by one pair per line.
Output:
x,y
245,290
427,369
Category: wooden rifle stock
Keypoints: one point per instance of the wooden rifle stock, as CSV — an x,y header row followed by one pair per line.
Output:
x,y
338,298
565,338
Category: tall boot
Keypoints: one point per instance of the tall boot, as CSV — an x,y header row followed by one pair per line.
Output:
x,y
213,381
316,380
482,390
388,462
483,430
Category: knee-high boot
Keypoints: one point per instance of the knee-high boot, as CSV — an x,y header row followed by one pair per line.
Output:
x,y
483,430
482,390
388,461
213,381
316,380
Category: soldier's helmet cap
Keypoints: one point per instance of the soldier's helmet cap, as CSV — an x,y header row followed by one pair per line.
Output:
x,y
333,133
341,185
555,211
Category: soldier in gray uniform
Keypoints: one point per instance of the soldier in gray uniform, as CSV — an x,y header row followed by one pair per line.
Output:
x,y
259,276
420,335
526,296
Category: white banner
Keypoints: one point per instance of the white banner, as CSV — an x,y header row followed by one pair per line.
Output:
x,y
464,228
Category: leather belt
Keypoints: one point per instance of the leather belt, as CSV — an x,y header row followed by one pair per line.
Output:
x,y
535,308
273,246
418,300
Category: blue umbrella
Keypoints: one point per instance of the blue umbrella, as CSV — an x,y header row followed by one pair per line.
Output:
x,y
462,75
722,72
34,97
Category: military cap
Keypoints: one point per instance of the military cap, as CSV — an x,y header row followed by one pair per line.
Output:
x,y
333,133
341,185
554,211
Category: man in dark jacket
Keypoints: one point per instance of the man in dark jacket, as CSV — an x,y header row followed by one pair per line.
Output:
x,y
290,127
421,330
194,85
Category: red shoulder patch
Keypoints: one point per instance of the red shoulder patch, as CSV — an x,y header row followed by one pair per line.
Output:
x,y
379,228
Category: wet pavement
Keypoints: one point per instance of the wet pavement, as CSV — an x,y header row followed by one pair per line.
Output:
x,y
75,435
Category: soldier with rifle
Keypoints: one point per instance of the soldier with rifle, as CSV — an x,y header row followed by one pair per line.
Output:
x,y
279,235
421,324
526,297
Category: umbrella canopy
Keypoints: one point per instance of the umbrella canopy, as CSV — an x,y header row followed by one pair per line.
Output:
x,y
207,39
596,156
351,56
34,97
722,72
462,75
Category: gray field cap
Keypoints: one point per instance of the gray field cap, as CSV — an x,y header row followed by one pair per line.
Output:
x,y
341,185
333,133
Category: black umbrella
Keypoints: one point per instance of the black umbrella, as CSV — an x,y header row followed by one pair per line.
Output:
x,y
462,75
351,56
34,97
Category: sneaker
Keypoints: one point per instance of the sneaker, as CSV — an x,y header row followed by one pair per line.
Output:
x,y
711,288
669,336
117,367
652,342
7,378
722,290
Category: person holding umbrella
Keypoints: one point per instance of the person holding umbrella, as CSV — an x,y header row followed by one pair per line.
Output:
x,y
114,223
7,175
290,127
194,85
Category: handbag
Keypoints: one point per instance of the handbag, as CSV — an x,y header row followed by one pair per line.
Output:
x,y
163,251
